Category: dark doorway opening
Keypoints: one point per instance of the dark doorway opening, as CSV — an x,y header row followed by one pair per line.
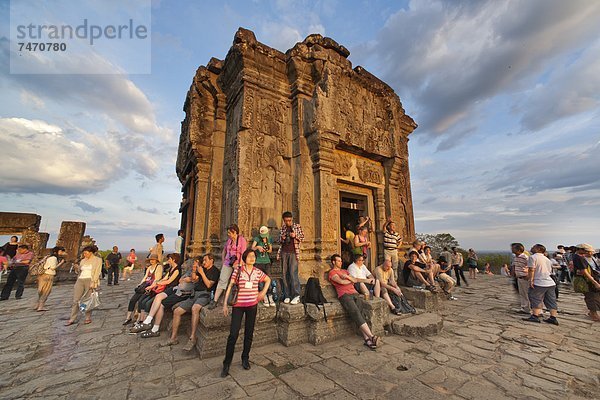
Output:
x,y
351,207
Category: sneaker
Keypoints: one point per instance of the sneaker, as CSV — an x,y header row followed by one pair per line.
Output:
x,y
532,318
295,300
396,311
271,301
521,311
109,284
452,298
140,328
212,305
127,322
189,346
287,300
265,301
552,320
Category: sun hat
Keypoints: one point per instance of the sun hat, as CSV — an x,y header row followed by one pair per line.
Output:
x,y
263,231
586,247
153,257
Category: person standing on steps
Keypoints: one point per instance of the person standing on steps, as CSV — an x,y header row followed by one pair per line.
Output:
x,y
179,243
290,237
232,254
247,278
263,247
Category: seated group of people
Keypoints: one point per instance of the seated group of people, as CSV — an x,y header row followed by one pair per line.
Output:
x,y
422,270
167,289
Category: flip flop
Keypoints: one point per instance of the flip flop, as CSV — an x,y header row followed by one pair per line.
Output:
x,y
87,321
69,323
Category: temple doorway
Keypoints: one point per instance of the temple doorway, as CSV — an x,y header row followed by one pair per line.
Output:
x,y
352,205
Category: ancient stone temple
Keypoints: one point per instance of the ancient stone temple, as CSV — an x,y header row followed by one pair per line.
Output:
x,y
267,131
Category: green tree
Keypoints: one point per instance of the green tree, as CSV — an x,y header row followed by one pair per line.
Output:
x,y
438,241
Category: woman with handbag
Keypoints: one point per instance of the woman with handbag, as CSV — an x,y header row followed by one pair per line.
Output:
x,y
231,256
46,277
90,268
155,292
153,272
587,270
243,295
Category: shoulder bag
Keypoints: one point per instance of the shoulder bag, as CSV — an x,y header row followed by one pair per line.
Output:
x,y
235,289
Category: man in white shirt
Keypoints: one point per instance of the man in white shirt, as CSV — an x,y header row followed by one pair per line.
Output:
x,y
179,243
542,286
366,280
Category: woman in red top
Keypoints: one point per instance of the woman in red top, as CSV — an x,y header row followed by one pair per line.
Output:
x,y
247,301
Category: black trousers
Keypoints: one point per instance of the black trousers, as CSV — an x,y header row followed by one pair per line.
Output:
x,y
113,272
17,274
459,273
133,301
236,323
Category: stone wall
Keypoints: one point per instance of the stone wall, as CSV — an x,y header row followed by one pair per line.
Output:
x,y
267,131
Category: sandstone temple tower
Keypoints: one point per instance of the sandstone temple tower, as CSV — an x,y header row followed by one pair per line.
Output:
x,y
267,131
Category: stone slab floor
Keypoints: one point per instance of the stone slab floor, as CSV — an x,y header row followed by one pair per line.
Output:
x,y
485,351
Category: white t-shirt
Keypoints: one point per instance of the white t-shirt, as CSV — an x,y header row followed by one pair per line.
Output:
x,y
543,269
358,272
85,267
50,265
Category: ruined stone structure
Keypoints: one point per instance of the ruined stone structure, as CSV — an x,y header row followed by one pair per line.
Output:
x,y
267,131
26,227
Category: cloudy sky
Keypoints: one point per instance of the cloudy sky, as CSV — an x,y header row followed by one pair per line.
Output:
x,y
506,95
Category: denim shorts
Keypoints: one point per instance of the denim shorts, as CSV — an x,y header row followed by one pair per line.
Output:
x,y
543,295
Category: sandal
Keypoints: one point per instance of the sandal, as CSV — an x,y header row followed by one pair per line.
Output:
x,y
149,334
69,323
87,321
370,345
169,343
375,340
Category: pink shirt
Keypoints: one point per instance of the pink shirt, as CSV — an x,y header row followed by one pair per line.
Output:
x,y
238,250
248,296
19,258
341,289
3,261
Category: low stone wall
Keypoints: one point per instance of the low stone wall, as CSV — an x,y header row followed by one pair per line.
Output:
x,y
291,327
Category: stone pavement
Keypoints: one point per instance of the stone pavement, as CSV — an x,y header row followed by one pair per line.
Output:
x,y
484,352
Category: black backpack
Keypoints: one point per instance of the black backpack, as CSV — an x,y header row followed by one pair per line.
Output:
x,y
314,295
402,304
278,293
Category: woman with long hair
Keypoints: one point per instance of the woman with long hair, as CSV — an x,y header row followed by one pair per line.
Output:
x,y
232,254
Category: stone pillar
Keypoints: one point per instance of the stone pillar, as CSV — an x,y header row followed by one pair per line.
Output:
x,y
70,237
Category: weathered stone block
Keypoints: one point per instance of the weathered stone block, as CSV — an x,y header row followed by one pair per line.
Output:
x,y
17,223
70,237
418,325
292,326
424,299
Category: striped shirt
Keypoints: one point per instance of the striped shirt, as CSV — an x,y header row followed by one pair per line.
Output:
x,y
519,265
247,297
391,240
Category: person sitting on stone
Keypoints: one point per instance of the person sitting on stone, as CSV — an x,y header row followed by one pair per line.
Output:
x,y
365,281
446,281
153,272
416,274
204,276
349,299
155,307
417,246
386,277
488,269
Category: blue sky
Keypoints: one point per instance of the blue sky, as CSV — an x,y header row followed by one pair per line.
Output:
x,y
506,95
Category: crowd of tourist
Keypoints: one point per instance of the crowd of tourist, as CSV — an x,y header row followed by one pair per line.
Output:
x,y
170,284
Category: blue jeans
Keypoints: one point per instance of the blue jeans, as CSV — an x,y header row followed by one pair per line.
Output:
x,y
291,282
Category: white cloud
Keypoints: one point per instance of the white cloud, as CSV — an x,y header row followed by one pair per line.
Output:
x,y
448,59
40,157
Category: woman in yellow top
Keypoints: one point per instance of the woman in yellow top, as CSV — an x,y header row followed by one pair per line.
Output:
x,y
90,268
